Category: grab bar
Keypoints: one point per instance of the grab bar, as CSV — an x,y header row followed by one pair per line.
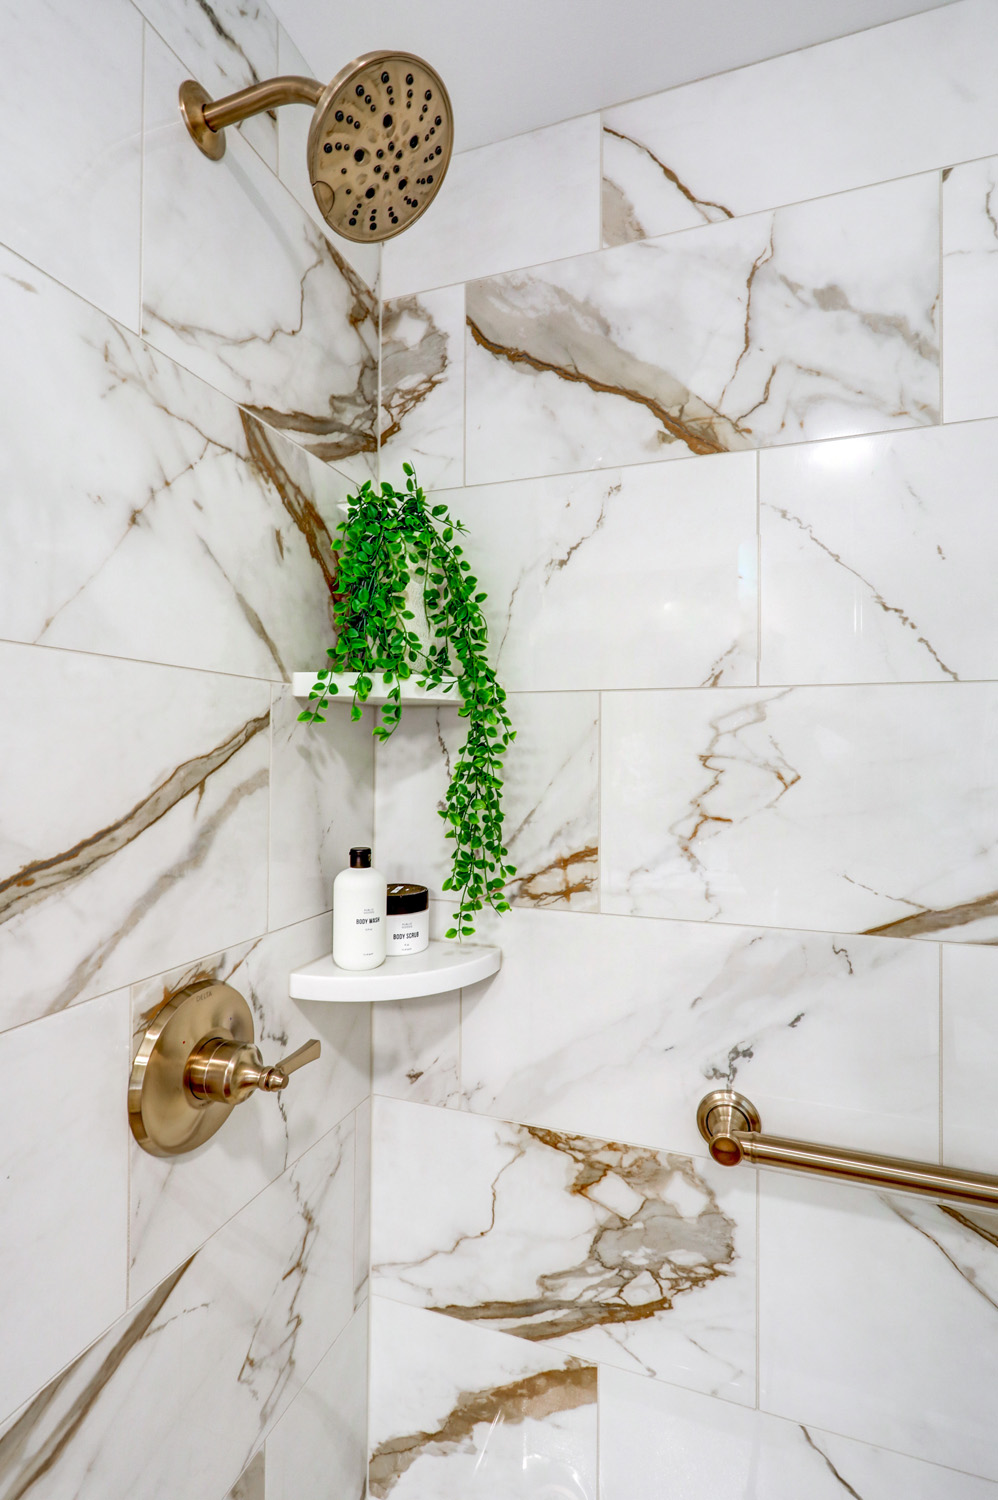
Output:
x,y
731,1126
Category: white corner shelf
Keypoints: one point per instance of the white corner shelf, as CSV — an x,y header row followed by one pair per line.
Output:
x,y
440,967
302,684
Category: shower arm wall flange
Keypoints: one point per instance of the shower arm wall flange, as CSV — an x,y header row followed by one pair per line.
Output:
x,y
206,118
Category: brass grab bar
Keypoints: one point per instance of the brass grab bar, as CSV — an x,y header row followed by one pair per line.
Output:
x,y
731,1126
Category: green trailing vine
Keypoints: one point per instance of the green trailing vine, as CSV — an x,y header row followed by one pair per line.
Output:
x,y
387,540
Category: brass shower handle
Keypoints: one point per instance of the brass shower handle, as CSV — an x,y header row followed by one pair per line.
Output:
x,y
227,1072
196,1061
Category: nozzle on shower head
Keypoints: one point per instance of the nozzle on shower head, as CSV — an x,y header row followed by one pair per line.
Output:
x,y
378,147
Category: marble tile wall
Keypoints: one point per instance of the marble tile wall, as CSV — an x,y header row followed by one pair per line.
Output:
x,y
189,379
728,472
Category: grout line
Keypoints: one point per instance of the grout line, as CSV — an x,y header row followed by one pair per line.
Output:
x,y
270,807
600,870
942,1074
758,569
942,301
142,178
758,1288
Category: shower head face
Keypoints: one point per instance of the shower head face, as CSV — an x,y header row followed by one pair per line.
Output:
x,y
379,145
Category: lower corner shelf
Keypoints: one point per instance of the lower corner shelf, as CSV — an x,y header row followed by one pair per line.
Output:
x,y
440,967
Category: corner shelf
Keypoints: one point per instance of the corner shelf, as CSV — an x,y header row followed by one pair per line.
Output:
x,y
440,967
302,684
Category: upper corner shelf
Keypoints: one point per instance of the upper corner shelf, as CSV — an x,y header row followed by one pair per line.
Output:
x,y
440,967
302,684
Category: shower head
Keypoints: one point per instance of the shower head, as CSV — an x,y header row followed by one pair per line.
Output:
x,y
378,147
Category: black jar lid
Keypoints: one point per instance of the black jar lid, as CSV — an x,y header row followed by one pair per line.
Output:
x,y
407,898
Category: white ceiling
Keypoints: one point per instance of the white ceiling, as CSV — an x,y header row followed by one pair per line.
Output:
x,y
511,65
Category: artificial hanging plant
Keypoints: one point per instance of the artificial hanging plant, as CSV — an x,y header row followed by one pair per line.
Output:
x,y
392,546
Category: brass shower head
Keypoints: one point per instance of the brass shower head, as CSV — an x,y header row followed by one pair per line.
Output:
x,y
378,147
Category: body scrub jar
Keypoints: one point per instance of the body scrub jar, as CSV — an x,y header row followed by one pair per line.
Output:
x,y
408,920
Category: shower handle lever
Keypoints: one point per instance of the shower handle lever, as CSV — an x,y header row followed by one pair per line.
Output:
x,y
227,1072
206,118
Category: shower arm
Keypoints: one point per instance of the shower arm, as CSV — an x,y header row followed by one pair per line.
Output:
x,y
206,118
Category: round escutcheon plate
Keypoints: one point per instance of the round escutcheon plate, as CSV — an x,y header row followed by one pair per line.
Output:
x,y
165,1117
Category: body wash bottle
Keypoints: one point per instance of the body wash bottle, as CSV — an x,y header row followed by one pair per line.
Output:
x,y
359,897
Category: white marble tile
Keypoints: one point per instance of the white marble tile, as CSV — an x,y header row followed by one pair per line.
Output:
x,y
71,181
362,1202
161,522
970,291
293,123
319,1447
856,809
133,822
614,1253
322,802
63,1261
549,800
657,1440
813,321
878,555
213,1356
422,387
531,198
618,1027
251,1484
226,45
883,103
462,1413
178,1202
417,1049
240,286
970,1033
637,577
878,1319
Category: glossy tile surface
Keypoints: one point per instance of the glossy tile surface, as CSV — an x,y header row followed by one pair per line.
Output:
x,y
618,1027
460,1413
154,848
884,103
65,1189
549,799
417,1049
422,387
853,808
654,1437
165,523
636,577
900,1297
322,802
177,1203
878,555
815,321
970,289
552,178
318,1447
243,289
614,1253
252,1314
970,1032
81,226
225,46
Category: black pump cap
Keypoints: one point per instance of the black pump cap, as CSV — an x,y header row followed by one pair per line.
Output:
x,y
360,859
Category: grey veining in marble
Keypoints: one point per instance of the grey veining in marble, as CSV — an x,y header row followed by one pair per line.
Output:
x,y
618,1253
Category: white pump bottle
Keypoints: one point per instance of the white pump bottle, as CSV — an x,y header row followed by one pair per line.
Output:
x,y
359,907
